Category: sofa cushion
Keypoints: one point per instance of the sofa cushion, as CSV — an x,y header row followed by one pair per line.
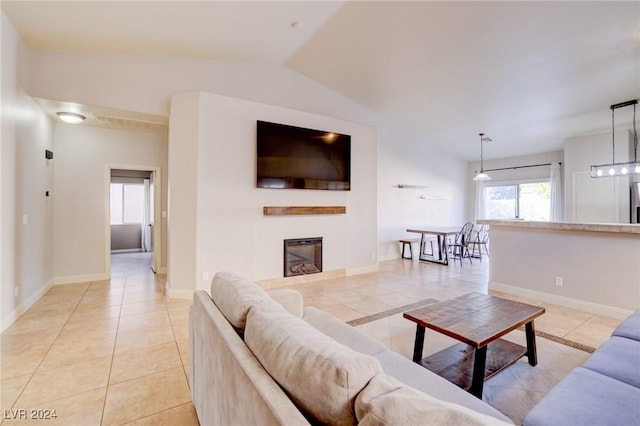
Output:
x,y
320,375
418,377
386,401
629,328
618,358
586,398
342,332
234,295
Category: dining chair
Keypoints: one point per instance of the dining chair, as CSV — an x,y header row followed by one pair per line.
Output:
x,y
481,240
460,245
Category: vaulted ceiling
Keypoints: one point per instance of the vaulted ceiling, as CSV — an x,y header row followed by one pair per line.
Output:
x,y
528,74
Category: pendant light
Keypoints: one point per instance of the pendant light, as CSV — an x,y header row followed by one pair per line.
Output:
x,y
619,169
482,176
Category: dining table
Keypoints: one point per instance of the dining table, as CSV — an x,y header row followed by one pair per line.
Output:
x,y
441,234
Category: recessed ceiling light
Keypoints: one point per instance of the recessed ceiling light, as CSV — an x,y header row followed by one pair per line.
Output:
x,y
70,117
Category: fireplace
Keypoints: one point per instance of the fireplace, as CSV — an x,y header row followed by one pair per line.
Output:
x,y
302,256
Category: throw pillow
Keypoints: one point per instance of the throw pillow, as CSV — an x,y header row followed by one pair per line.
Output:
x,y
319,374
234,295
387,401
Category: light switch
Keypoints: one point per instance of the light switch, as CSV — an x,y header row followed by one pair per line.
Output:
x,y
25,219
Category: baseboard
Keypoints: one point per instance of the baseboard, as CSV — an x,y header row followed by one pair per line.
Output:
x,y
177,293
133,250
362,270
567,302
388,257
180,294
73,279
162,271
12,316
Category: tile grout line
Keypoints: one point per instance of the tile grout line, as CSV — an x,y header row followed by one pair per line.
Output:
x,y
109,385
113,352
49,349
175,339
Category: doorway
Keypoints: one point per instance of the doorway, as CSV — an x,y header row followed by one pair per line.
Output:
x,y
133,215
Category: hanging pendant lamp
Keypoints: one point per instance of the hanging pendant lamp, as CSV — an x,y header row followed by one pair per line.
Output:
x,y
619,169
482,176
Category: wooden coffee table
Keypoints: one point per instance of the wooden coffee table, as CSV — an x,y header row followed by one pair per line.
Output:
x,y
478,321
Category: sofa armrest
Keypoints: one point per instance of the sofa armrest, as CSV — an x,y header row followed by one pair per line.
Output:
x,y
290,299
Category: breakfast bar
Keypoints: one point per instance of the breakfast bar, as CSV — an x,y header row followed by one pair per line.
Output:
x,y
593,267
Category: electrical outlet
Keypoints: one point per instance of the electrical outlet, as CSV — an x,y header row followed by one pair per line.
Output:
x,y
205,276
559,281
15,292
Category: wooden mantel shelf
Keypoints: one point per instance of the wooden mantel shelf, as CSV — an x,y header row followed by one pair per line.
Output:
x,y
302,210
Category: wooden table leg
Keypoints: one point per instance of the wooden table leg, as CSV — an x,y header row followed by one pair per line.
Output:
x,y
418,344
477,380
532,354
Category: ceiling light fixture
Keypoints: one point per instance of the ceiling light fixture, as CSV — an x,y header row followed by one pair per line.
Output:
x,y
613,168
482,176
70,117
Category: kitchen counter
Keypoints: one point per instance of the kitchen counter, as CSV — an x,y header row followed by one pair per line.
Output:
x,y
625,228
592,267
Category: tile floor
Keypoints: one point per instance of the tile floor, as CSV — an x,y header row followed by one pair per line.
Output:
x,y
106,352
116,352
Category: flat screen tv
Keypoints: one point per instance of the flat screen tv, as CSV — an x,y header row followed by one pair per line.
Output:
x,y
295,157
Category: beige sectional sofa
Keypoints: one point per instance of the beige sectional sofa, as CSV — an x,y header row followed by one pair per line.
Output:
x,y
263,358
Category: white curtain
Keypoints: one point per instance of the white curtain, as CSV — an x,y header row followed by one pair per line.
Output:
x,y
146,217
480,201
555,215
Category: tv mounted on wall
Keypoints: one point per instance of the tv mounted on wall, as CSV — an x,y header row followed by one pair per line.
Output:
x,y
295,157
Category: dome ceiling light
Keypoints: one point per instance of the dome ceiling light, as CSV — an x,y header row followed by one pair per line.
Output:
x,y
70,117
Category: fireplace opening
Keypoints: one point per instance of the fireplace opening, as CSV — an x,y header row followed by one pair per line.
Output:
x,y
302,256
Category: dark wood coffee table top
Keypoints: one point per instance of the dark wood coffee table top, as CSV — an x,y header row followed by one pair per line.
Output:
x,y
475,318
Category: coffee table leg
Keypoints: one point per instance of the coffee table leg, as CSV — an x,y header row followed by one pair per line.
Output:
x,y
531,343
418,344
477,381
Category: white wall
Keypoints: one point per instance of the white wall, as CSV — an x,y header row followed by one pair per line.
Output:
x,y
146,84
596,199
231,231
406,159
81,156
183,189
25,175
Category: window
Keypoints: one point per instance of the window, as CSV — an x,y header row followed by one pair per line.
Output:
x,y
127,203
530,201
